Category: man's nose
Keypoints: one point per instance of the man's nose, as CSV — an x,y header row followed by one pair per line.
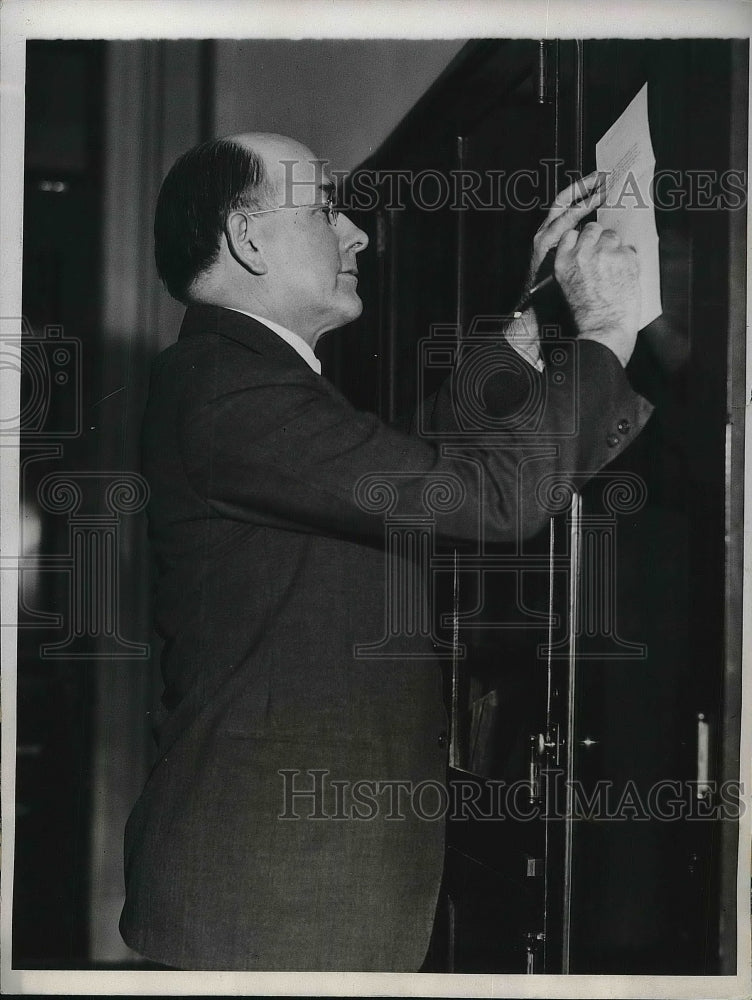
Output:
x,y
352,238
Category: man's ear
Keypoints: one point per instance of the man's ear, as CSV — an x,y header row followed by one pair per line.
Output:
x,y
242,241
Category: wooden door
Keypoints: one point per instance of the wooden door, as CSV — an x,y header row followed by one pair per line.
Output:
x,y
648,711
605,653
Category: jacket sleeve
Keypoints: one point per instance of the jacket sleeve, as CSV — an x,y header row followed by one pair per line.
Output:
x,y
285,449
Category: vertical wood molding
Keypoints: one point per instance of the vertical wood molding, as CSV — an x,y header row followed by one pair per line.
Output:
x,y
738,415
153,106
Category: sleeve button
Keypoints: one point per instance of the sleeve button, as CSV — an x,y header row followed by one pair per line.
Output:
x,y
442,739
612,440
624,427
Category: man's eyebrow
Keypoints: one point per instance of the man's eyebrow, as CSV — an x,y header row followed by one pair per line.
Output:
x,y
329,188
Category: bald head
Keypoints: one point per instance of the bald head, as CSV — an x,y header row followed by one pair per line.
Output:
x,y
250,170
293,175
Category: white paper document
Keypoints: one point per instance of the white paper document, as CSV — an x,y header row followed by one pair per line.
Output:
x,y
625,155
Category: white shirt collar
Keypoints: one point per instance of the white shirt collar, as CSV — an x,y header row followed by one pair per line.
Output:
x,y
293,339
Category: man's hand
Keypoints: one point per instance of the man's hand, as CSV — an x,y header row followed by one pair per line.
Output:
x,y
570,206
523,335
599,278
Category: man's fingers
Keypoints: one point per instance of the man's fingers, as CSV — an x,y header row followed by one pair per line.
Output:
x,y
567,243
557,227
578,190
609,237
551,232
589,236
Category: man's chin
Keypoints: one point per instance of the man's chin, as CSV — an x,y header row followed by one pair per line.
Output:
x,y
357,309
348,313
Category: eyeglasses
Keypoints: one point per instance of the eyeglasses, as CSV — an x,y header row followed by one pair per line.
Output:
x,y
329,207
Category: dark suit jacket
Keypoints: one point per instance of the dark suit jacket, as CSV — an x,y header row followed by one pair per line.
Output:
x,y
271,572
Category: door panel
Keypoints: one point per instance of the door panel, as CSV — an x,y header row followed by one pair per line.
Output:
x,y
599,664
644,887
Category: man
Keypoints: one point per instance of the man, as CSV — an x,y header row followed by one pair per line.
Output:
x,y
249,847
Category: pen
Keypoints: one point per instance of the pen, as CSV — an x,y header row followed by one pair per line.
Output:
x,y
545,282
533,291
